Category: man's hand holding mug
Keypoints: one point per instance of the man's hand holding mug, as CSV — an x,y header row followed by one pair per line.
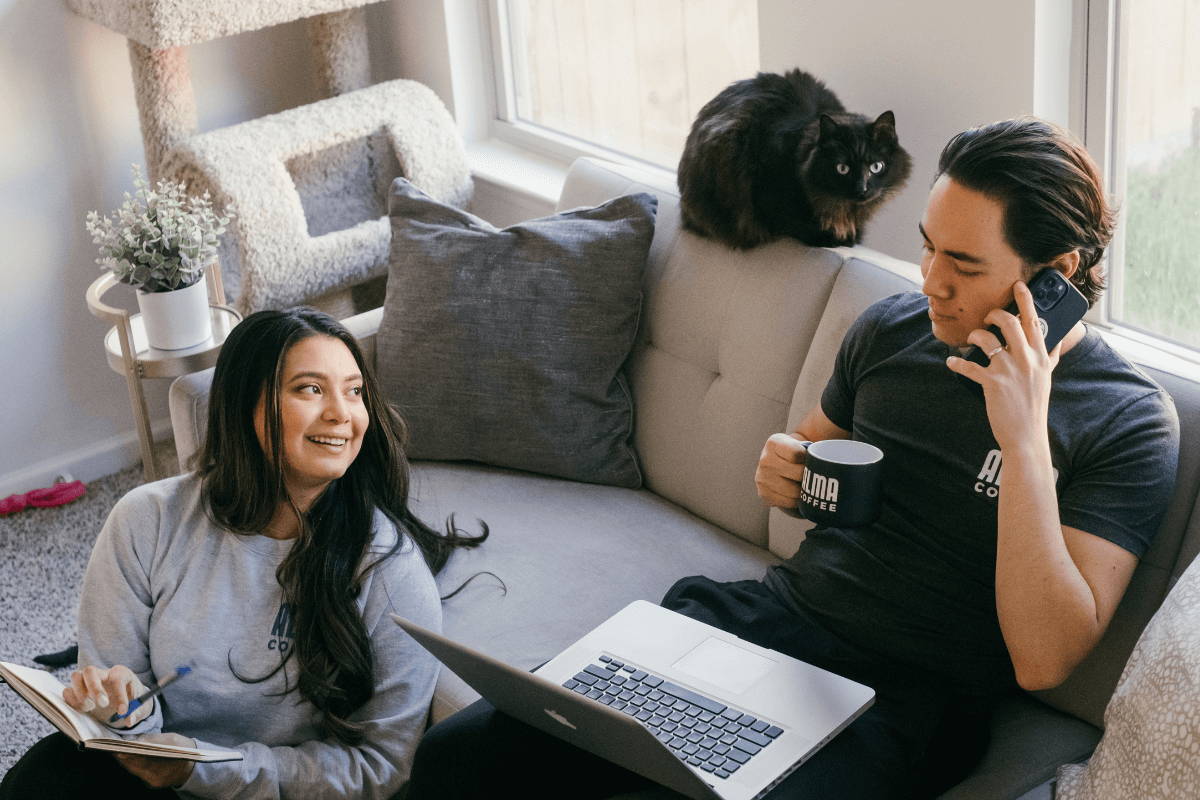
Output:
x,y
833,482
780,470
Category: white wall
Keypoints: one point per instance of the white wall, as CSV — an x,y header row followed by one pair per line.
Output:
x,y
68,132
941,65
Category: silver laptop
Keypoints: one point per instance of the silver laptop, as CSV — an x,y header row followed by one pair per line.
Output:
x,y
677,701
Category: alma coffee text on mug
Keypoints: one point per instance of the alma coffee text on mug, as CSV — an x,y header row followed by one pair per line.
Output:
x,y
819,491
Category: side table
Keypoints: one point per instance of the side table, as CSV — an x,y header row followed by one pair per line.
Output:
x,y
129,355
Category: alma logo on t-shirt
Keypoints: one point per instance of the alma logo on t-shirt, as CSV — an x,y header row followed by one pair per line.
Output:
x,y
987,482
283,630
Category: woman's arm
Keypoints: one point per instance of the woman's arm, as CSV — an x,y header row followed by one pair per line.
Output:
x,y
393,719
116,601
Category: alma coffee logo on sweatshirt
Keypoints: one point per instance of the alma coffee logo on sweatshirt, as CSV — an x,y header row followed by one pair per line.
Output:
x,y
283,630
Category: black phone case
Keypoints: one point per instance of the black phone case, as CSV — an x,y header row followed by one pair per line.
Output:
x,y
1059,305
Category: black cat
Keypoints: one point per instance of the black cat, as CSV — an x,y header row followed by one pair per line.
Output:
x,y
778,155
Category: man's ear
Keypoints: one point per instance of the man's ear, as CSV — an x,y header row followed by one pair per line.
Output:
x,y
1067,263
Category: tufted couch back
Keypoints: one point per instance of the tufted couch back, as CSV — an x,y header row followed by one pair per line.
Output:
x,y
722,341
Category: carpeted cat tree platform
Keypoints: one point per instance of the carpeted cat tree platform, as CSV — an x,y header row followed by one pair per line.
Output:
x,y
310,183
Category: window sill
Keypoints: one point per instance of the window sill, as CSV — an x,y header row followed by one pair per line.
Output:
x,y
517,169
1142,349
534,166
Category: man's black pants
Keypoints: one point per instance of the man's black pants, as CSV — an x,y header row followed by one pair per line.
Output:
x,y
885,753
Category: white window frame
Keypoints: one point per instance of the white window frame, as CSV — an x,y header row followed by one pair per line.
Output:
x,y
547,142
1097,120
464,64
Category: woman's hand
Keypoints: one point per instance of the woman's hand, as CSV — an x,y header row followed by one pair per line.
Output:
x,y
104,692
159,773
1016,382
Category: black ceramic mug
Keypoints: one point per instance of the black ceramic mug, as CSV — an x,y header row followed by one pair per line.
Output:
x,y
842,483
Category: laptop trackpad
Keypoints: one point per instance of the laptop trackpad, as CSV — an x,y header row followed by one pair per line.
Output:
x,y
732,668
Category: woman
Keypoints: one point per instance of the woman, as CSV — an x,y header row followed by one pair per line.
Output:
x,y
271,571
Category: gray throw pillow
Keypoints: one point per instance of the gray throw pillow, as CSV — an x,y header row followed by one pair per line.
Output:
x,y
507,346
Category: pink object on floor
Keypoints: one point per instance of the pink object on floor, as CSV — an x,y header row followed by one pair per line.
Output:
x,y
56,495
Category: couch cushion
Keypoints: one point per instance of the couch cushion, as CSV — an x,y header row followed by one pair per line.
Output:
x,y
723,337
506,347
1178,540
571,555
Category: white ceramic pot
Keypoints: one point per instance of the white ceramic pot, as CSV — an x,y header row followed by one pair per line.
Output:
x,y
178,319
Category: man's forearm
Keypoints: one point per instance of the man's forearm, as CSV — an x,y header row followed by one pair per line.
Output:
x,y
1047,610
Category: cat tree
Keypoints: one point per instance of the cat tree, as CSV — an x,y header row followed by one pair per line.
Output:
x,y
342,151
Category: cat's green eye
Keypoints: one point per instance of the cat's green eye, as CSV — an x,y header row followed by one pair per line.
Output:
x,y
877,167
843,169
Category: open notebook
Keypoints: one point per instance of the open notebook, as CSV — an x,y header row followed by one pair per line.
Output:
x,y
43,691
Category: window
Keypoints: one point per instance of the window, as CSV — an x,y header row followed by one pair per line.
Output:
x,y
1148,125
625,75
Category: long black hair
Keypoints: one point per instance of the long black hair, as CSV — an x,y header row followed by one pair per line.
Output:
x,y
243,485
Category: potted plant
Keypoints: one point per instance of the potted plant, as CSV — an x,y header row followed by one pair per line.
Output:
x,y
160,241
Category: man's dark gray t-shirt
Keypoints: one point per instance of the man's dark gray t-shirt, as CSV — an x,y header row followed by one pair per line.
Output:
x,y
918,586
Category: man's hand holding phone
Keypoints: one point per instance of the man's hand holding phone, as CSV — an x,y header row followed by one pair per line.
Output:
x,y
1016,382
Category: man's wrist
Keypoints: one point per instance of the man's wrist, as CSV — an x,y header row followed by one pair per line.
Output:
x,y
1030,459
1030,450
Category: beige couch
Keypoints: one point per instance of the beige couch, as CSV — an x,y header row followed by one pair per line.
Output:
x,y
733,347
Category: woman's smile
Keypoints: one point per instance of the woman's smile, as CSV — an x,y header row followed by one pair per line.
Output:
x,y
328,441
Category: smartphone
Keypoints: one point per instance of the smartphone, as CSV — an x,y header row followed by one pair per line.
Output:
x,y
1059,307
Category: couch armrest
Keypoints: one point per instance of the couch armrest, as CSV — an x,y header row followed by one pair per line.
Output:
x,y
189,413
1029,742
364,326
189,393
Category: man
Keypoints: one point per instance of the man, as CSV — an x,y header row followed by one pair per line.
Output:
x,y
967,585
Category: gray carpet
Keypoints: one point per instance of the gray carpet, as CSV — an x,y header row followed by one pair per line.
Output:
x,y
43,552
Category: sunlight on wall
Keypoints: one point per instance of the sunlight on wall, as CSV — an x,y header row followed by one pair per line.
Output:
x,y
25,154
30,172
68,134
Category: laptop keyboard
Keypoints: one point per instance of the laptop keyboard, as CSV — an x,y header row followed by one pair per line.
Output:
x,y
700,731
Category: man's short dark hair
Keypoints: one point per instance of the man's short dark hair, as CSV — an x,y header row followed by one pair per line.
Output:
x,y
1049,186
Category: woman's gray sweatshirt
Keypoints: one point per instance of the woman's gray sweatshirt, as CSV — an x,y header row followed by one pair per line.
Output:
x,y
166,587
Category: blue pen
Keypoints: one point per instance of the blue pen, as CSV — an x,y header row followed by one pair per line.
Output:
x,y
155,688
